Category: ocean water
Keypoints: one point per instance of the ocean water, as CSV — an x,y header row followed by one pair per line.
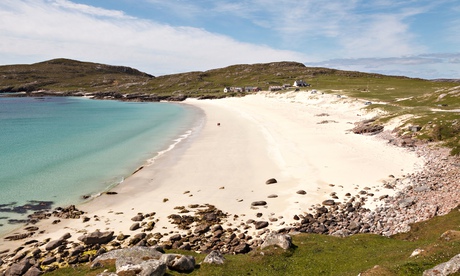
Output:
x,y
54,150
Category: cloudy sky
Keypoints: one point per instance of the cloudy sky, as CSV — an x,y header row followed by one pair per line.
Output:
x,y
415,38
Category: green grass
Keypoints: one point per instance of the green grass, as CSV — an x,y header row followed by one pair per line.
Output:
x,y
327,255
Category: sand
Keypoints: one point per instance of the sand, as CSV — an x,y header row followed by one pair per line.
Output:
x,y
303,140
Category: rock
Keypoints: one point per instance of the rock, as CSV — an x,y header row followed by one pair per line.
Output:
x,y
18,236
281,240
451,235
259,203
128,266
201,229
54,244
77,250
406,202
301,192
177,262
138,217
329,202
273,196
215,257
417,252
135,226
260,224
132,253
242,248
153,268
66,236
448,268
96,238
49,260
271,181
18,268
33,271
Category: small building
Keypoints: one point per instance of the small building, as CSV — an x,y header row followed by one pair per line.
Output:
x,y
226,89
300,83
275,88
251,89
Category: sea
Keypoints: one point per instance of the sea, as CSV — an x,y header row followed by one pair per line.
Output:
x,y
58,151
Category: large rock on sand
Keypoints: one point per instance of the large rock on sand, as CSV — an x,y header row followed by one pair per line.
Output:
x,y
96,238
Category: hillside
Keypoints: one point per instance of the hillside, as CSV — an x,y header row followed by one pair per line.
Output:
x,y
68,76
431,106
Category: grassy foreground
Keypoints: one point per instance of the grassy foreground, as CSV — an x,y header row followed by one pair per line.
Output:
x,y
370,255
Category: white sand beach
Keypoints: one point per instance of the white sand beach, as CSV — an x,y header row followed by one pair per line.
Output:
x,y
300,139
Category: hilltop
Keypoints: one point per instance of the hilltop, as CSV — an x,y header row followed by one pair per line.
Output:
x,y
429,105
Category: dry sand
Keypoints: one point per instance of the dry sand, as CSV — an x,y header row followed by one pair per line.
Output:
x,y
301,139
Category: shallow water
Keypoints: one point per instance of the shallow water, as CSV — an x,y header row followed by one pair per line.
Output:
x,y
54,150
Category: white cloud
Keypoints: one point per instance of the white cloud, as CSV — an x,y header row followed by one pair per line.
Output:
x,y
49,29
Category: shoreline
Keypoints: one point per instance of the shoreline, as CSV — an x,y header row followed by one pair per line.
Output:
x,y
301,140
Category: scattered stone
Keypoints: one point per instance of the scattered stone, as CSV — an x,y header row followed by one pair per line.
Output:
x,y
301,192
260,224
271,181
138,217
329,202
135,226
273,196
259,203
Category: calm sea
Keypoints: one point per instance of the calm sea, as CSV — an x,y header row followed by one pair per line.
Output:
x,y
54,150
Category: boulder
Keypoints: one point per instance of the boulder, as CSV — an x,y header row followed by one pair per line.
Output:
x,y
54,244
201,229
177,262
34,271
135,226
242,248
301,192
271,181
281,240
448,268
96,238
260,224
18,268
215,257
138,217
259,203
49,260
132,253
128,266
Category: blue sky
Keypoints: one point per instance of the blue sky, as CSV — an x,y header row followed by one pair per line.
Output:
x,y
415,38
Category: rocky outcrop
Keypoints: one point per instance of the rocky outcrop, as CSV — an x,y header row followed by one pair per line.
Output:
x,y
448,268
215,257
281,240
367,127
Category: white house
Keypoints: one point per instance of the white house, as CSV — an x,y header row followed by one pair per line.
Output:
x,y
300,83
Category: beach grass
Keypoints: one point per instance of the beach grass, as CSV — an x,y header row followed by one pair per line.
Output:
x,y
315,254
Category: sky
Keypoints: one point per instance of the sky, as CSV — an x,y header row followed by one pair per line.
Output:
x,y
414,38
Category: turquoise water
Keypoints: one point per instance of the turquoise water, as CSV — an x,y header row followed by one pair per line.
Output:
x,y
58,149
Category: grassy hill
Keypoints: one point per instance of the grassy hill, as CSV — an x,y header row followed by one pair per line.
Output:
x,y
432,105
